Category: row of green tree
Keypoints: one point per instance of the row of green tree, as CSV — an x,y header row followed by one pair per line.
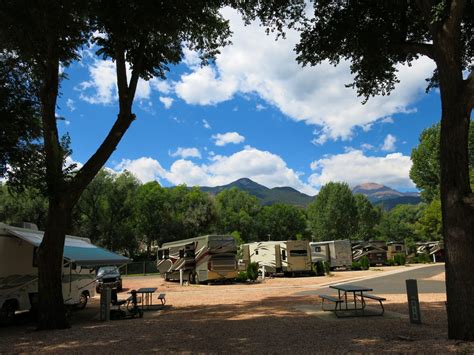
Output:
x,y
118,212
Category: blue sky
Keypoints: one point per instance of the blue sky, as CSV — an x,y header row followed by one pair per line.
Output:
x,y
253,113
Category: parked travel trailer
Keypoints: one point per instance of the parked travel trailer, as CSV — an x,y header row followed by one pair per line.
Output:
x,y
338,253
19,269
394,248
201,259
434,249
375,251
288,257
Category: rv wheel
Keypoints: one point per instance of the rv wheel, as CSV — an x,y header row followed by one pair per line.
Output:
x,y
82,301
7,312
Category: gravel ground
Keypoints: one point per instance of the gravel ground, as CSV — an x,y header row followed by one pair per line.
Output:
x,y
263,317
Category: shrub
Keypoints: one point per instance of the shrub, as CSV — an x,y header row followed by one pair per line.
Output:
x,y
319,268
355,265
364,263
327,268
242,276
391,262
252,271
400,259
424,258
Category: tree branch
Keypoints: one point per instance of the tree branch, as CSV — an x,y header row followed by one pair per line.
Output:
x,y
418,48
455,15
123,122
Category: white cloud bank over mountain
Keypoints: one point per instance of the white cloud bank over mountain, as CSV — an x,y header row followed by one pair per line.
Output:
x,y
269,169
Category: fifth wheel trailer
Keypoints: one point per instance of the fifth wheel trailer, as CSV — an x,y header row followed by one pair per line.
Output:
x,y
338,253
288,257
201,259
19,269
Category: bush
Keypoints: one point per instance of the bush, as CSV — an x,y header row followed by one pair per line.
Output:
x,y
364,263
356,265
391,262
400,259
424,258
242,276
252,271
319,268
327,268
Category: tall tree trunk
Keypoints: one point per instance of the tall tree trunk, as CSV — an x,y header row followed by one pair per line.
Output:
x,y
52,312
458,222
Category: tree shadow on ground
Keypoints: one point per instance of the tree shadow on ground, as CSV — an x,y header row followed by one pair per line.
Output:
x,y
272,324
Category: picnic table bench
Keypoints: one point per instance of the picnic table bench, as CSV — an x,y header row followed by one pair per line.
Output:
x,y
161,298
357,301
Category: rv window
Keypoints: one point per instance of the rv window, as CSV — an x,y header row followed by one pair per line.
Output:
x,y
189,253
317,249
181,253
160,254
167,253
256,251
283,254
298,253
398,247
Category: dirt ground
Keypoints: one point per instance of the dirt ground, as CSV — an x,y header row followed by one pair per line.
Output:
x,y
265,317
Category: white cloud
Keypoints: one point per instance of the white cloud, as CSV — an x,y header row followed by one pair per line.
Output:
x,y
204,87
70,105
145,169
69,161
160,85
102,87
186,153
166,101
367,146
256,63
206,124
261,166
355,168
389,143
226,138
387,120
260,107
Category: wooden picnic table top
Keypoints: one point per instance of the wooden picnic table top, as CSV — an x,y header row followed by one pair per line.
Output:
x,y
351,288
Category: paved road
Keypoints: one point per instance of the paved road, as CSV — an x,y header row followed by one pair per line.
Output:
x,y
395,283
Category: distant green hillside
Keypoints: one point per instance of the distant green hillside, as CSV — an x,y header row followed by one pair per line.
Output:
x,y
266,196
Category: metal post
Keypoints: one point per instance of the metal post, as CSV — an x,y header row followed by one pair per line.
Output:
x,y
413,302
105,298
181,277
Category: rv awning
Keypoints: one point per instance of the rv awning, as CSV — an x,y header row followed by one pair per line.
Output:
x,y
77,250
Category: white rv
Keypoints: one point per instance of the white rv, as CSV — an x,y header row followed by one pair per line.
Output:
x,y
201,259
288,257
19,269
338,253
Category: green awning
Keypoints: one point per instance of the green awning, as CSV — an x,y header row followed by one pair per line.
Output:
x,y
77,250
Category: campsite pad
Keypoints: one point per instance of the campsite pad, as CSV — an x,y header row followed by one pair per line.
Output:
x,y
315,310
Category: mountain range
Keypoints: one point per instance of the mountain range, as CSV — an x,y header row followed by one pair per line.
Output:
x,y
385,196
378,194
266,195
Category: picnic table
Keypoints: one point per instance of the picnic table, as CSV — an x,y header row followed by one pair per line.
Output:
x,y
353,297
147,297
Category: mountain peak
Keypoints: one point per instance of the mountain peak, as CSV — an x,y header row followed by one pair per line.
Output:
x,y
377,193
370,186
264,194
